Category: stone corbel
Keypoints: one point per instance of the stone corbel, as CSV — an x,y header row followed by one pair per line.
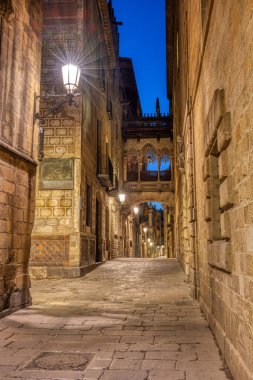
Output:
x,y
7,10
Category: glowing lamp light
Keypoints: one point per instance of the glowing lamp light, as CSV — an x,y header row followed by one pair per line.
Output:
x,y
136,210
149,240
71,76
122,198
145,230
151,244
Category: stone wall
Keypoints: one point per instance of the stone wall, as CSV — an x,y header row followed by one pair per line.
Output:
x,y
19,81
212,109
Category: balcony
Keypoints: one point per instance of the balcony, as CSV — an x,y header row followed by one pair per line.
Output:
x,y
150,176
149,186
150,180
114,191
165,175
132,176
105,175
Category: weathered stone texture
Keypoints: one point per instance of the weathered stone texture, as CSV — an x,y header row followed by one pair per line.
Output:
x,y
19,80
213,73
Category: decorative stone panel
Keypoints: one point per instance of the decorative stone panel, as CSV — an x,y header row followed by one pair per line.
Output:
x,y
52,250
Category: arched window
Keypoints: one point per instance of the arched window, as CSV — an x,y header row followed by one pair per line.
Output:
x,y
132,166
150,164
165,166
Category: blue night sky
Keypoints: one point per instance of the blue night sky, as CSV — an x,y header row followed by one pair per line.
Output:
x,y
142,38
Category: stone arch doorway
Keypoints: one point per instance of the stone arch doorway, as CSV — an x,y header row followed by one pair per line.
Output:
x,y
152,229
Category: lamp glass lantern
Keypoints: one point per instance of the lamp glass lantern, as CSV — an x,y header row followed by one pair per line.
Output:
x,y
145,230
136,210
71,76
122,198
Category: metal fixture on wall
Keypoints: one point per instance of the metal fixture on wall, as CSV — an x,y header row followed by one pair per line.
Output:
x,y
71,75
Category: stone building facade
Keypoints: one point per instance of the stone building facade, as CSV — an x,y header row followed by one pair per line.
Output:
x,y
19,80
210,81
78,219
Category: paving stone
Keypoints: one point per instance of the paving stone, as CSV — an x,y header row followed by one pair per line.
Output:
x,y
6,369
129,355
149,333
159,364
124,375
165,375
92,374
212,375
170,355
201,365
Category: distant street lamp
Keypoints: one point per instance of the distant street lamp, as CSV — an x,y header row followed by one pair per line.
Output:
x,y
122,198
136,210
145,230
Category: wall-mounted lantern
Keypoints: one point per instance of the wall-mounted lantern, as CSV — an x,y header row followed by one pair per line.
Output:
x,y
136,210
71,76
122,198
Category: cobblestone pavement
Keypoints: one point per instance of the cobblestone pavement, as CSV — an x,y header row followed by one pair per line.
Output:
x,y
128,319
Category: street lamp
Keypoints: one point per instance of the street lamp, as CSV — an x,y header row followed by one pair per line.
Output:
x,y
136,210
148,240
122,198
145,230
71,76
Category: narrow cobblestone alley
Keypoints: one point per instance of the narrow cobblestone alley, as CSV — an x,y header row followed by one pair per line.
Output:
x,y
128,319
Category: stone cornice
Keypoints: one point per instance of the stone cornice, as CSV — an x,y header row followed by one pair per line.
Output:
x,y
107,32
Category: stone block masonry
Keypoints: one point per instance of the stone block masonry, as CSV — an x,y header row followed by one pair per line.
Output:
x,y
16,221
19,81
212,88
